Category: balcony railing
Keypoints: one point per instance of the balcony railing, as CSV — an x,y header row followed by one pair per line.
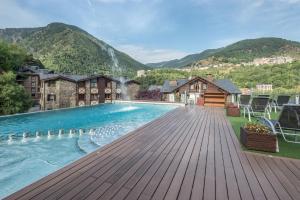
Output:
x,y
94,91
81,103
94,102
118,90
107,91
81,90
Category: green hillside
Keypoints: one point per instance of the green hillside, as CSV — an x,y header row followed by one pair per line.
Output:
x,y
284,77
178,63
247,50
69,49
242,51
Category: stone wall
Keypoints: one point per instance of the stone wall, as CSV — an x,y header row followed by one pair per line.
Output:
x,y
65,94
88,92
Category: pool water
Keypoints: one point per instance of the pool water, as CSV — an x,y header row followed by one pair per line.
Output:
x,y
25,160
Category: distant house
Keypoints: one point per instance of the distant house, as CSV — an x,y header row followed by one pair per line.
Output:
x,y
264,87
202,91
140,73
154,87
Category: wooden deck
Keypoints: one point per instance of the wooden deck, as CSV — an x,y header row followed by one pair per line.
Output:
x,y
190,153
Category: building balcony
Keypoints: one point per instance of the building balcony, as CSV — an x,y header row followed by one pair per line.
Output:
x,y
94,102
107,91
81,90
81,103
94,91
118,90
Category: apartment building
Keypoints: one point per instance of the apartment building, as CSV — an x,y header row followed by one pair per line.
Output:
x,y
53,91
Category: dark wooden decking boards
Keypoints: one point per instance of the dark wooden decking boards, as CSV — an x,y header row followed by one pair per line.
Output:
x,y
190,153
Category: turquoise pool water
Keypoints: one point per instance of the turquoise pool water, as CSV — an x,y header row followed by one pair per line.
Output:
x,y
25,160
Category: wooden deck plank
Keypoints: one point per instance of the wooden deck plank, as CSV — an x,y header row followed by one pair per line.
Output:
x,y
187,183
244,188
290,176
259,173
166,180
285,182
210,178
231,179
143,182
176,183
189,153
198,185
278,188
293,168
254,184
221,187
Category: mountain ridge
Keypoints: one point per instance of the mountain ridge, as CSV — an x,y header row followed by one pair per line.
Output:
x,y
70,49
238,52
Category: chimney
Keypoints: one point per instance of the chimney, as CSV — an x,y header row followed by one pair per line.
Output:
x,y
210,77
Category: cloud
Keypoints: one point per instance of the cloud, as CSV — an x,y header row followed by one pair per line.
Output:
x,y
12,14
145,55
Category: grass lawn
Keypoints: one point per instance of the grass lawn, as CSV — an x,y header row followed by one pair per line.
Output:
x,y
286,149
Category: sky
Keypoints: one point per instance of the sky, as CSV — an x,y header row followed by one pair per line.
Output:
x,y
159,30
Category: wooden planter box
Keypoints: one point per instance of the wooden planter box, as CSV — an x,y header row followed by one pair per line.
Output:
x,y
233,111
258,142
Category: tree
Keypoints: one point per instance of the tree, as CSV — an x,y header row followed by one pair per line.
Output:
x,y
11,56
13,97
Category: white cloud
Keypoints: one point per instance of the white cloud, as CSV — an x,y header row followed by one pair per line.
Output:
x,y
145,55
13,15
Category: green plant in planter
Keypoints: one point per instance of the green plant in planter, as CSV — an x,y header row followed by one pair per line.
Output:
x,y
256,128
258,137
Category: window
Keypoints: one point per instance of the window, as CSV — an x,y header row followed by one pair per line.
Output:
x,y
204,86
51,97
107,96
197,86
33,94
81,97
81,84
51,83
33,84
118,96
192,87
93,83
33,90
108,84
94,97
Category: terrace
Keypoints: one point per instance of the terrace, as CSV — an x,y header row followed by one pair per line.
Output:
x,y
189,153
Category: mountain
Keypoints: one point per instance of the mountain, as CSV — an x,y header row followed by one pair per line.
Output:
x,y
69,49
239,52
178,63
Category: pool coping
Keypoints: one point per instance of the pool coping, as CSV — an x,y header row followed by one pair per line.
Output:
x,y
115,101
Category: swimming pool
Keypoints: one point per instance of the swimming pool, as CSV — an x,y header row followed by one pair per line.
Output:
x,y
24,160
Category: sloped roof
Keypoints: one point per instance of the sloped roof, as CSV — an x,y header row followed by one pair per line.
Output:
x,y
168,87
223,84
228,86
125,80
